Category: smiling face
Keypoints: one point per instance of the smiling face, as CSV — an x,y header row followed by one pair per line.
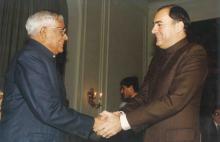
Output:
x,y
165,29
55,37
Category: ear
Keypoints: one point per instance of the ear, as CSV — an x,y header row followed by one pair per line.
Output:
x,y
43,33
179,26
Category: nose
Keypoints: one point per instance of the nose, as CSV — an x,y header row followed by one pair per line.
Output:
x,y
65,37
154,29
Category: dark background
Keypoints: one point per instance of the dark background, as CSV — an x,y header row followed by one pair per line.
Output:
x,y
207,33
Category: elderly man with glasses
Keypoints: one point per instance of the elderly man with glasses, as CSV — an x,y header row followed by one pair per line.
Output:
x,y
34,105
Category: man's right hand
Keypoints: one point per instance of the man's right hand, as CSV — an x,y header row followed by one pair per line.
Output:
x,y
110,126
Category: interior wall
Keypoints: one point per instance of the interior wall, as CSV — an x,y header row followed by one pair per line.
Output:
x,y
106,44
83,53
72,70
126,47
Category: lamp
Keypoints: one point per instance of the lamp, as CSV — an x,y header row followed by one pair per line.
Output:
x,y
93,99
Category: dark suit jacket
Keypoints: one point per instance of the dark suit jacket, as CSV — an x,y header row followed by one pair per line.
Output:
x,y
133,103
172,90
34,107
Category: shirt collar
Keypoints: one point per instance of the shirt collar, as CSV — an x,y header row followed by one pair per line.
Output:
x,y
216,124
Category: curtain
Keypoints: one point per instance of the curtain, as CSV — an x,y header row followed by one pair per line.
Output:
x,y
13,16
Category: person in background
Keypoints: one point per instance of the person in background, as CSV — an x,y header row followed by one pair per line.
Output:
x,y
34,105
129,88
172,86
210,129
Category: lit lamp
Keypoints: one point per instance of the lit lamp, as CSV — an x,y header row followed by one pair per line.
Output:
x,y
92,98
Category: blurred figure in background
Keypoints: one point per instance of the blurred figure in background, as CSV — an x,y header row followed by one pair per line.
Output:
x,y
210,130
129,88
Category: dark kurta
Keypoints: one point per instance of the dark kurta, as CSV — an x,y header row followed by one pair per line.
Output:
x,y
172,90
34,106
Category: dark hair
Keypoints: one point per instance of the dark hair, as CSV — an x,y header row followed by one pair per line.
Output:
x,y
178,13
130,81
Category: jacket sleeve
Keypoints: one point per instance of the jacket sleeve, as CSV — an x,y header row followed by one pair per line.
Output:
x,y
39,84
187,83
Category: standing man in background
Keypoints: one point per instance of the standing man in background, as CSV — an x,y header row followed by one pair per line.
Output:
x,y
34,105
129,91
210,129
172,87
129,88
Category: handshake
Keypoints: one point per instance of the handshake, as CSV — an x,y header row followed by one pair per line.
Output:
x,y
107,124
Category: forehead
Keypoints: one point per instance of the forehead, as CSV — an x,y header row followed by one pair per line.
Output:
x,y
60,23
217,110
124,87
162,16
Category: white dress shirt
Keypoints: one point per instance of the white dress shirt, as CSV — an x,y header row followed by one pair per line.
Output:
x,y
124,122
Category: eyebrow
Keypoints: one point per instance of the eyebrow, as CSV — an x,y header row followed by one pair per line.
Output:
x,y
61,27
157,22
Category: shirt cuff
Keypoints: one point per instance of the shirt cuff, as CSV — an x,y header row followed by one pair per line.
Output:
x,y
124,122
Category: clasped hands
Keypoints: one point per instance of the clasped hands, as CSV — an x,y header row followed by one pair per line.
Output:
x,y
107,124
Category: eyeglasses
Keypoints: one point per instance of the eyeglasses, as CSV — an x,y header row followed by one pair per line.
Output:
x,y
62,31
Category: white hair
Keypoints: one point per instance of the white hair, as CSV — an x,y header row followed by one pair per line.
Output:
x,y
41,19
